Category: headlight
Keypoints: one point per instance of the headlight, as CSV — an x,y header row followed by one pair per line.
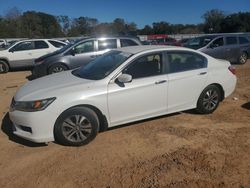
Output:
x,y
31,106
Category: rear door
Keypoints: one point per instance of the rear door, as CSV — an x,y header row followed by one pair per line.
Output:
x,y
232,48
187,75
41,48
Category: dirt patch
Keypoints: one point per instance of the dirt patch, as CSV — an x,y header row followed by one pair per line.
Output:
x,y
179,150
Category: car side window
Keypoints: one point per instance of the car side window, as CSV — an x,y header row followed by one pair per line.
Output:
x,y
148,65
84,47
41,44
22,46
127,42
243,40
57,44
107,44
218,42
231,40
185,61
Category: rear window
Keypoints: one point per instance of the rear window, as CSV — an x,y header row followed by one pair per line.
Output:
x,y
180,61
243,40
41,44
231,40
127,42
107,44
57,44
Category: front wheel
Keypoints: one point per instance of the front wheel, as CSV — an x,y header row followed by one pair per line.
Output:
x,y
76,126
243,58
4,67
209,100
57,68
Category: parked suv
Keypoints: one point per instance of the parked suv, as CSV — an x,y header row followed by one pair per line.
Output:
x,y
79,54
22,53
234,48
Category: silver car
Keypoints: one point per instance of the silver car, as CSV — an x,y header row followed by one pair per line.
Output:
x,y
234,48
79,54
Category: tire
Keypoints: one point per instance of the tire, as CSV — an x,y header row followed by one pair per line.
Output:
x,y
209,100
76,126
243,58
4,67
57,68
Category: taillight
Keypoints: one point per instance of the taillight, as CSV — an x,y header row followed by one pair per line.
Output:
x,y
232,70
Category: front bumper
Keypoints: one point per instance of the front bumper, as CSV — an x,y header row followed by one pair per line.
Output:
x,y
34,126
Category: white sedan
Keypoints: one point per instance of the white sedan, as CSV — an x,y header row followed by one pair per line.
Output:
x,y
122,86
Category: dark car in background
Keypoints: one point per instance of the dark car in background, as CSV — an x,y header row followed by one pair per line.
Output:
x,y
231,47
183,41
79,54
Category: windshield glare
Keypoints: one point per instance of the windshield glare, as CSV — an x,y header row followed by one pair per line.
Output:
x,y
102,66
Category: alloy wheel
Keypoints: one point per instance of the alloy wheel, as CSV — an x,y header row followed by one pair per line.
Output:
x,y
57,69
211,99
76,128
243,58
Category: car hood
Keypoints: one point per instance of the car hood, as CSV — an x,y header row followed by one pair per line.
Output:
x,y
53,54
52,86
3,52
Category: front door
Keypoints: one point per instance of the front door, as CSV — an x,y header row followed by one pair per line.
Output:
x,y
83,53
145,96
217,49
21,54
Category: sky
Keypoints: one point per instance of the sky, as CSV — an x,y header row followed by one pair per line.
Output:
x,y
143,12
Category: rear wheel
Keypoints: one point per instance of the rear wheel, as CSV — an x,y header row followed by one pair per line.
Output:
x,y
4,67
243,58
76,126
209,100
57,68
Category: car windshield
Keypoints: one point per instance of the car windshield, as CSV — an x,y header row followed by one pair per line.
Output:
x,y
12,43
64,48
102,66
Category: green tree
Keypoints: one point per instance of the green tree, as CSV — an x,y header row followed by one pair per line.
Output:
x,y
213,20
238,22
162,28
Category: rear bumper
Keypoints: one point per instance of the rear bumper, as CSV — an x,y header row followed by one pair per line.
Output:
x,y
230,86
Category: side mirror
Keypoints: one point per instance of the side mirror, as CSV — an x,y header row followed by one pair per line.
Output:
x,y
124,78
213,45
11,50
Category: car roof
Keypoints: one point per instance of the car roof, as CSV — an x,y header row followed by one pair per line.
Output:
x,y
138,49
40,39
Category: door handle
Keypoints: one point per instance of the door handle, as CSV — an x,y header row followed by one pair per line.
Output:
x,y
161,82
202,73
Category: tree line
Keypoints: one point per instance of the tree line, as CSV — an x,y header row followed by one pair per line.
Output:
x,y
32,24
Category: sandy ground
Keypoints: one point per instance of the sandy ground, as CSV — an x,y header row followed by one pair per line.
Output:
x,y
179,150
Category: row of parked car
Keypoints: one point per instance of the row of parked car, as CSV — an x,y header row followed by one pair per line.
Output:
x,y
47,56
